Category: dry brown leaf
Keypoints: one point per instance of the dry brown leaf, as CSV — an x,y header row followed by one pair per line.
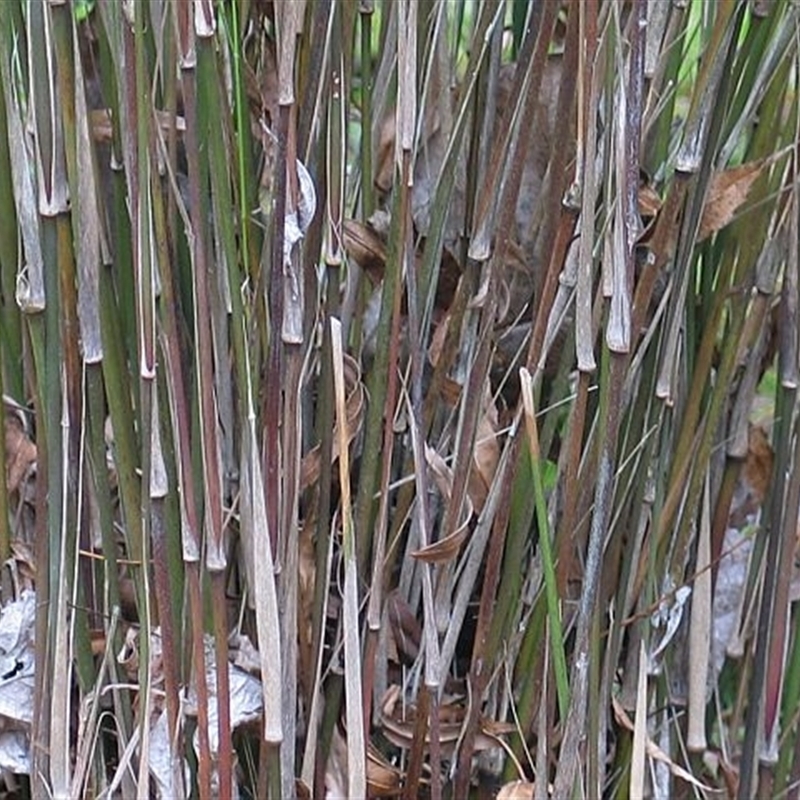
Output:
x,y
406,630
486,454
383,780
727,191
758,465
21,453
398,723
24,565
444,549
755,477
100,120
649,201
307,575
438,340
366,247
654,751
365,244
448,546
516,790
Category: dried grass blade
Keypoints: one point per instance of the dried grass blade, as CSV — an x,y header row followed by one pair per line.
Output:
x,y
254,524
589,92
86,222
30,293
638,763
354,712
62,622
700,632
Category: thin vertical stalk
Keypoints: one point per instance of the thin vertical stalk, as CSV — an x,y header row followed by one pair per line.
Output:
x,y
356,745
534,52
215,557
366,9
553,607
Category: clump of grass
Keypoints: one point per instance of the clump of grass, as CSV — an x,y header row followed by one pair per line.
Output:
x,y
395,385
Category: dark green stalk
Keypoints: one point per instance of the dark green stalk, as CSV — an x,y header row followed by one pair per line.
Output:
x,y
777,668
611,383
11,373
534,53
432,255
788,769
242,139
197,132
10,330
377,388
167,564
366,9
689,228
754,721
138,106
545,547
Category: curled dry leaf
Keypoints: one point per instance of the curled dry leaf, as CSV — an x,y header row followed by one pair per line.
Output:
x,y
365,246
486,453
438,340
101,122
446,548
21,452
755,477
727,192
398,722
354,407
516,790
307,575
655,752
23,565
406,630
383,780
649,200
650,204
